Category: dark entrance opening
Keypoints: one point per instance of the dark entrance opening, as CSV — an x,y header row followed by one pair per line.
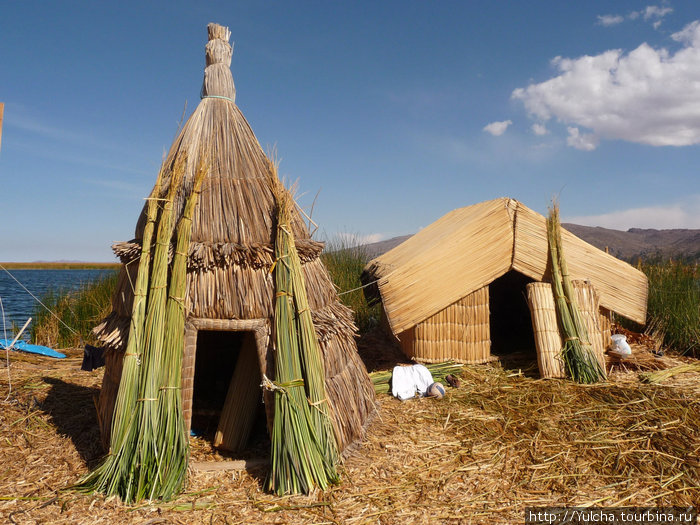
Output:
x,y
511,325
227,404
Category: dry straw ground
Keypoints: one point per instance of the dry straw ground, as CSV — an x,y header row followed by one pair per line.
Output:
x,y
503,441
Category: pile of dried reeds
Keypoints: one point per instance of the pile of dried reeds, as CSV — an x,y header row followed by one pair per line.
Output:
x,y
577,352
502,442
304,446
148,448
659,376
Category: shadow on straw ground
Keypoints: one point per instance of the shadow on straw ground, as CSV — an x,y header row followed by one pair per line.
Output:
x,y
72,410
379,351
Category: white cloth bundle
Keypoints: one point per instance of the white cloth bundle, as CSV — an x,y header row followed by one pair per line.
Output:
x,y
407,380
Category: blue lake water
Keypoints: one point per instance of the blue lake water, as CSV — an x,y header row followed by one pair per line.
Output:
x,y
19,305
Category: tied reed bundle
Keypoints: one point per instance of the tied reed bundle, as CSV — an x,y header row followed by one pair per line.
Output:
x,y
577,352
304,446
171,430
111,476
144,468
149,449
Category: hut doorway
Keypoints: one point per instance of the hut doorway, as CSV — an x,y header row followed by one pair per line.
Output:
x,y
511,327
222,398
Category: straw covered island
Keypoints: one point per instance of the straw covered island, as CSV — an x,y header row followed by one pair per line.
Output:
x,y
230,295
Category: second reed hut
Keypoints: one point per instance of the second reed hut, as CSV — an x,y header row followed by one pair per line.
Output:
x,y
457,290
230,287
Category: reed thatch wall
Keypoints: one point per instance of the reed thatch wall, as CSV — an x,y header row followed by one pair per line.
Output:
x,y
548,340
545,327
460,333
589,307
231,253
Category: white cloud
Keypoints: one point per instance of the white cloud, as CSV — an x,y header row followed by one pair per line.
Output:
x,y
687,34
685,214
647,96
585,141
654,11
610,20
539,129
497,128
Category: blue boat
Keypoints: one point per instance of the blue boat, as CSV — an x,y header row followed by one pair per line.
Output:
x,y
23,346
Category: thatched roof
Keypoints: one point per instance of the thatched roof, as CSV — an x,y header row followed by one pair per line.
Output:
x,y
470,247
233,229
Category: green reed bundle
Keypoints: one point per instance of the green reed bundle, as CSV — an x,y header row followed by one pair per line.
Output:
x,y
304,448
171,436
144,468
112,475
577,352
148,452
313,366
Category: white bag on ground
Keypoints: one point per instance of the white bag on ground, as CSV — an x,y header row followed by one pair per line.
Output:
x,y
620,345
407,380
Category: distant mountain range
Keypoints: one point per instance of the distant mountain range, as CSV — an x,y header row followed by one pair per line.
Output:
x,y
626,245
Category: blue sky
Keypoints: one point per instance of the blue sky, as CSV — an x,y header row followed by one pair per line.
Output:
x,y
393,112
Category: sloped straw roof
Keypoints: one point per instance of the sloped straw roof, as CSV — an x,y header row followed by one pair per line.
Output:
x,y
233,231
470,247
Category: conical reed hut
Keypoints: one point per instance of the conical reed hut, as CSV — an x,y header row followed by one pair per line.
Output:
x,y
230,291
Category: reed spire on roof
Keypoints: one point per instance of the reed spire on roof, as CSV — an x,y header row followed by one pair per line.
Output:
x,y
218,80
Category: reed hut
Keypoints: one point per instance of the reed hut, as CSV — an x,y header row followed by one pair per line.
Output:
x,y
230,287
458,289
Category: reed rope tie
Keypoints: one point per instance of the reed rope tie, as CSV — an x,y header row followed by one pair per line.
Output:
x,y
272,386
216,96
274,263
359,287
137,356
